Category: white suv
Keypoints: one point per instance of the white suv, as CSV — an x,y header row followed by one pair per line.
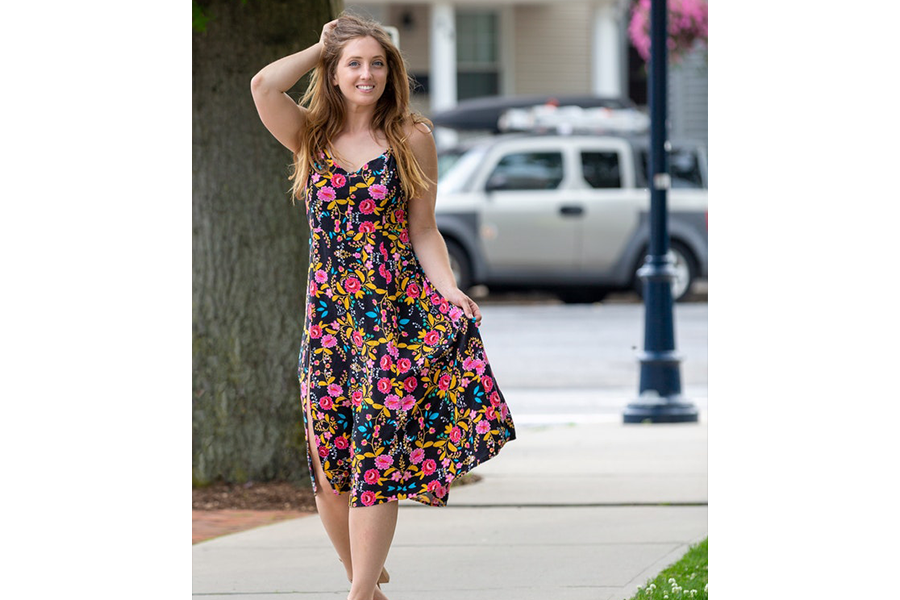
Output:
x,y
568,213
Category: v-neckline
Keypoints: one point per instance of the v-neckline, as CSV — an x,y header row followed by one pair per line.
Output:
x,y
356,172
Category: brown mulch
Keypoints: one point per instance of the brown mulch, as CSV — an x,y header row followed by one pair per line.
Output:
x,y
223,508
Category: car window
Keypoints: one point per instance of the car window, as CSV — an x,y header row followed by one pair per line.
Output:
x,y
527,171
684,168
455,177
601,169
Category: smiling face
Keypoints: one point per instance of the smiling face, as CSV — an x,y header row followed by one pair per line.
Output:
x,y
361,72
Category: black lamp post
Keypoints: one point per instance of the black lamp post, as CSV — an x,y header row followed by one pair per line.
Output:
x,y
660,398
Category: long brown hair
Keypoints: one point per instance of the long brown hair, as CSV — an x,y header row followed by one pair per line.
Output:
x,y
325,118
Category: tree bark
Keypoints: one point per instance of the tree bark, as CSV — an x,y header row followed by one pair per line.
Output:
x,y
249,249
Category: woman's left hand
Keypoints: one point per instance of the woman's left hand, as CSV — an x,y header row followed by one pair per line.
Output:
x,y
460,299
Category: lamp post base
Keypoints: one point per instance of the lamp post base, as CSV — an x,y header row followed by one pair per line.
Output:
x,y
652,408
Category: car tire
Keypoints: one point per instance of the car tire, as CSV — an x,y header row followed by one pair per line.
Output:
x,y
581,295
685,267
460,265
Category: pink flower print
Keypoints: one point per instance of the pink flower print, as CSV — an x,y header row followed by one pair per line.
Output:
x,y
404,236
385,362
455,435
340,443
334,390
444,382
495,398
383,461
396,475
385,273
489,413
384,385
392,349
357,397
455,313
429,466
408,402
445,306
323,451
338,180
437,489
326,194
392,402
409,384
313,288
321,276
483,426
479,367
368,498
357,338
377,191
352,285
416,456
325,403
487,382
468,363
315,332
403,365
435,299
367,206
412,290
367,227
432,338
504,410
329,341
372,476
400,215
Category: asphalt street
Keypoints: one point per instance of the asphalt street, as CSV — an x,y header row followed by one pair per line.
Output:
x,y
586,354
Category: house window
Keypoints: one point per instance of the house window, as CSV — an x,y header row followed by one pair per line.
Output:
x,y
477,54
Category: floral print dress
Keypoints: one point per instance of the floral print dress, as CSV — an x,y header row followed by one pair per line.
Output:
x,y
401,395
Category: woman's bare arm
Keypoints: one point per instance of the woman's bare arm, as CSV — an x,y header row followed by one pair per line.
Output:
x,y
427,241
283,117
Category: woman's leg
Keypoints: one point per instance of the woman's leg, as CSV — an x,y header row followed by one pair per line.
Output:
x,y
334,509
371,533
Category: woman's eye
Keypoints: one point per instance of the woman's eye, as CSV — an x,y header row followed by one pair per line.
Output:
x,y
353,63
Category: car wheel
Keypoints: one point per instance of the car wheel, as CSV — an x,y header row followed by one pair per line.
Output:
x,y
581,296
459,265
685,272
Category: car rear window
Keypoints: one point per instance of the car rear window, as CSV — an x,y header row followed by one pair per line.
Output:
x,y
527,171
601,169
684,168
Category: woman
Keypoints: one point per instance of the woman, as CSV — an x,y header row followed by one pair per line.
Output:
x,y
398,397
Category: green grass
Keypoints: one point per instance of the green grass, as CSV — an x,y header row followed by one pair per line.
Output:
x,y
685,580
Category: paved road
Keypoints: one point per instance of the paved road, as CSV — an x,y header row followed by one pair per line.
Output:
x,y
587,354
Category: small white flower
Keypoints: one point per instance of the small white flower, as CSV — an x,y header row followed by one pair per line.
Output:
x,y
671,580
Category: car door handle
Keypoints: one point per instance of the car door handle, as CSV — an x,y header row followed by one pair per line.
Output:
x,y
571,210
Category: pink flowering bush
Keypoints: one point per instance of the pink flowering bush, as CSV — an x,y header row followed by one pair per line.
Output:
x,y
688,25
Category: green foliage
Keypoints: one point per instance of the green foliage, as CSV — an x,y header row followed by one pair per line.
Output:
x,y
199,19
687,579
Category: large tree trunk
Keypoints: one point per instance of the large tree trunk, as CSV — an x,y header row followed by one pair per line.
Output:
x,y
249,249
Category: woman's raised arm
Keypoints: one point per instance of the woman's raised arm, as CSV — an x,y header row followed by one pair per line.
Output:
x,y
283,117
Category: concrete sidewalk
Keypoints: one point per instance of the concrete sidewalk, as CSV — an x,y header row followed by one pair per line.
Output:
x,y
570,512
